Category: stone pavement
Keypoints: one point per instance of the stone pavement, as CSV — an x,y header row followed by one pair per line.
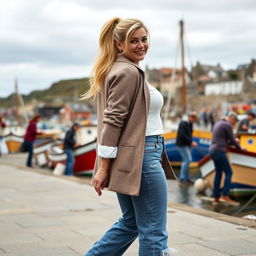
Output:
x,y
44,215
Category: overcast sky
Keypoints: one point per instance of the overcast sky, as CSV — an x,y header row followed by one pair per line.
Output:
x,y
44,41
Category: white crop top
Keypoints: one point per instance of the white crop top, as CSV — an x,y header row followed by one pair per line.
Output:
x,y
154,121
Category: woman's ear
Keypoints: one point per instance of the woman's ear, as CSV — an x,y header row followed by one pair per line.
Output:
x,y
118,45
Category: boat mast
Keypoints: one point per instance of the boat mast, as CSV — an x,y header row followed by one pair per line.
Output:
x,y
19,103
16,101
183,70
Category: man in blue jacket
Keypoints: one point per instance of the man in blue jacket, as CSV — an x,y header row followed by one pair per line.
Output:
x,y
69,144
184,143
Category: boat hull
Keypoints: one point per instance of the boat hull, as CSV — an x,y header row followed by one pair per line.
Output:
x,y
13,142
40,150
84,158
243,164
202,138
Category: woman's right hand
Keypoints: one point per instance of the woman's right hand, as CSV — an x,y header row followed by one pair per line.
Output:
x,y
99,181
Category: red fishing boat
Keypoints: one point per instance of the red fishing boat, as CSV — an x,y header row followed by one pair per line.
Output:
x,y
85,156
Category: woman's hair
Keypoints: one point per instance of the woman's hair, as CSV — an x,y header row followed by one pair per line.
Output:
x,y
113,30
35,118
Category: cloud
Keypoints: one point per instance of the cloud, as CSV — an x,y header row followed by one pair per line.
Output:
x,y
43,41
37,76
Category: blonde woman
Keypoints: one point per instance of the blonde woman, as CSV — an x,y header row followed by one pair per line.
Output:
x,y
130,152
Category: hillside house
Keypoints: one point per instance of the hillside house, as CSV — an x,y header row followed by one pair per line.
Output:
x,y
214,73
166,79
75,112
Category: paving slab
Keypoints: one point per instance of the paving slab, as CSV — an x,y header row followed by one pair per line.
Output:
x,y
232,246
196,250
41,214
41,251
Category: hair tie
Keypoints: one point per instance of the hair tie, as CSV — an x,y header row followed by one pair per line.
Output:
x,y
116,21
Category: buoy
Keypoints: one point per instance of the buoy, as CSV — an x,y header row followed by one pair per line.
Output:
x,y
200,185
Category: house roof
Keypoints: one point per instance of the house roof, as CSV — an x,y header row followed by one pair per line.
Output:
x,y
78,107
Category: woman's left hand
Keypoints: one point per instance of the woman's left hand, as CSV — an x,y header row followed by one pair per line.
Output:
x,y
99,181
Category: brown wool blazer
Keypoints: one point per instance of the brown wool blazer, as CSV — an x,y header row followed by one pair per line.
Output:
x,y
123,106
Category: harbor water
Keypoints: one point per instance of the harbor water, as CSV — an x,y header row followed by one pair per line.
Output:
x,y
187,194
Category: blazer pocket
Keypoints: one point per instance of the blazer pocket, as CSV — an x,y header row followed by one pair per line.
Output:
x,y
125,158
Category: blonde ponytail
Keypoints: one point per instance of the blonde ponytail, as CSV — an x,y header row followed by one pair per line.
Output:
x,y
114,29
104,59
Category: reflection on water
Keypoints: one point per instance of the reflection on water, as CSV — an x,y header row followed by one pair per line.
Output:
x,y
187,194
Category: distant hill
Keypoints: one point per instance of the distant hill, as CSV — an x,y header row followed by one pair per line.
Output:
x,y
57,94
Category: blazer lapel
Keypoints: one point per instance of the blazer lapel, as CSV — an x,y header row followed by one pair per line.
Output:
x,y
122,58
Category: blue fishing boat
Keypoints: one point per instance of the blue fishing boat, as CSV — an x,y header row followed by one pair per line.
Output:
x,y
203,140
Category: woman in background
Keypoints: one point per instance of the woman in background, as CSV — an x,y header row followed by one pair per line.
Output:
x,y
29,138
2,126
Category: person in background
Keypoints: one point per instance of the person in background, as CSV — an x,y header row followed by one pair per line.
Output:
x,y
184,143
69,144
223,136
29,138
205,118
2,126
244,124
212,117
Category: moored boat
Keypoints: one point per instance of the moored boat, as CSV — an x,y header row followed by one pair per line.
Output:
x,y
243,164
202,138
85,156
13,142
41,147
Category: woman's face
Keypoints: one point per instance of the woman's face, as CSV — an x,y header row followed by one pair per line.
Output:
x,y
136,47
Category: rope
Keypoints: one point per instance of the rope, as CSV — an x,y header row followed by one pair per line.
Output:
x,y
168,102
248,203
189,52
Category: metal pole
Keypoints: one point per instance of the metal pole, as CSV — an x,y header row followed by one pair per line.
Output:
x,y
183,70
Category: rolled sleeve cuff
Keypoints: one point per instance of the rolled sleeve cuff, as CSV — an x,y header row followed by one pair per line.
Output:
x,y
107,151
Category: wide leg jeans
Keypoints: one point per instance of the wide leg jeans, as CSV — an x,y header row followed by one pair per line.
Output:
x,y
143,216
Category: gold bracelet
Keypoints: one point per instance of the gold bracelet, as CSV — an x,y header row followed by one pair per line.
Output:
x,y
103,171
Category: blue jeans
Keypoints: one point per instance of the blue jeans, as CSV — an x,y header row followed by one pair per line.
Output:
x,y
221,164
186,160
29,147
143,216
69,162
